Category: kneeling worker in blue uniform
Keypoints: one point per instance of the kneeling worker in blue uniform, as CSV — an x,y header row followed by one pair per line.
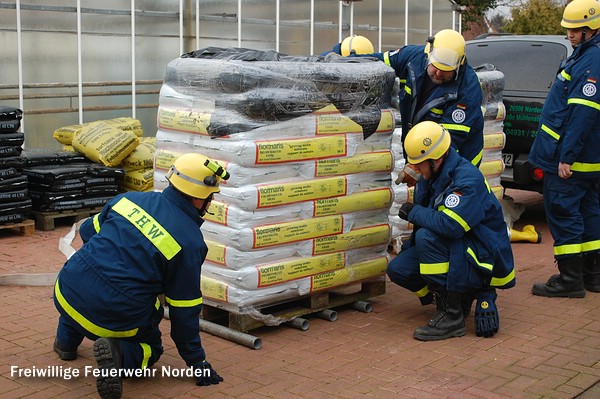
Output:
x,y
140,246
459,247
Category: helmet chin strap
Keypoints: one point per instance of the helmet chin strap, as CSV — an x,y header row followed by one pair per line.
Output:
x,y
204,208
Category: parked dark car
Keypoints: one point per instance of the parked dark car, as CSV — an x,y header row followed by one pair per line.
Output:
x,y
529,64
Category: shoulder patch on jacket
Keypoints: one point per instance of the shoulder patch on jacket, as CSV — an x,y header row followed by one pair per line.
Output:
x,y
589,89
452,201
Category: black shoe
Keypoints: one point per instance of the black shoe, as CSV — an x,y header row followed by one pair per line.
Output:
x,y
556,287
591,287
62,352
448,321
108,356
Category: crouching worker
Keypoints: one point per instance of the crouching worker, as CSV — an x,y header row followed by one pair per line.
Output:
x,y
140,246
459,248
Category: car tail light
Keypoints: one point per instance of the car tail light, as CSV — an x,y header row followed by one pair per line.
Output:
x,y
537,174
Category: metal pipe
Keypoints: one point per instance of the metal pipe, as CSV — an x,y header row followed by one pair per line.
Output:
x,y
86,84
379,25
299,323
327,314
249,341
20,59
239,23
227,333
405,22
363,306
97,108
79,64
133,92
277,25
312,27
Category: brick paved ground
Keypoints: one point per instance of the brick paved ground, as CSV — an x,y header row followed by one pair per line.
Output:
x,y
547,348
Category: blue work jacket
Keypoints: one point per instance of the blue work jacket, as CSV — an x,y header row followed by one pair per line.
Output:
x,y
456,105
459,205
140,245
569,129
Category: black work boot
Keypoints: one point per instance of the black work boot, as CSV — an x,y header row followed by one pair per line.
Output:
x,y
567,284
109,358
591,272
467,302
63,353
426,299
447,322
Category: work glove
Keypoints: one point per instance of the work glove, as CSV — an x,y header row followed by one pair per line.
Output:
x,y
409,175
405,210
487,321
207,376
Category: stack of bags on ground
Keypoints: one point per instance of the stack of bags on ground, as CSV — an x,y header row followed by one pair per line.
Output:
x,y
117,143
14,196
492,166
61,181
307,142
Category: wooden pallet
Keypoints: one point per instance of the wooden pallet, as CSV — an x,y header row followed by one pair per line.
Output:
x,y
25,227
303,306
45,220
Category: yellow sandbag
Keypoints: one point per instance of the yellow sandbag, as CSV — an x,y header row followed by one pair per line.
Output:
x,y
65,134
104,143
127,124
139,180
143,155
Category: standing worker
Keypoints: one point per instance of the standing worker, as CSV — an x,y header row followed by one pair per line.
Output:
x,y
459,242
140,246
438,84
565,148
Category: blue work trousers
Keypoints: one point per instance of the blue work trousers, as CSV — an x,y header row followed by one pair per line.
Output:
x,y
573,214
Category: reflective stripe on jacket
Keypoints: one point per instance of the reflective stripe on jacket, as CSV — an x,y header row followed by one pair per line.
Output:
x,y
569,129
140,246
460,206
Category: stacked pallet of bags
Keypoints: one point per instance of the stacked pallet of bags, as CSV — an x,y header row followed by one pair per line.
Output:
x,y
67,180
307,144
114,142
14,195
494,112
492,166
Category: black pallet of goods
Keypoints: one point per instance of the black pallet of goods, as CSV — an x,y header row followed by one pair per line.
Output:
x,y
25,227
296,308
45,220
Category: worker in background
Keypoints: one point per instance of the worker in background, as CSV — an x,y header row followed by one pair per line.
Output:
x,y
438,84
351,45
566,149
140,246
459,244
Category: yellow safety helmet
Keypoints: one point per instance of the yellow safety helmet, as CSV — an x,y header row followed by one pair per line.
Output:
x,y
580,14
446,50
356,45
196,175
426,140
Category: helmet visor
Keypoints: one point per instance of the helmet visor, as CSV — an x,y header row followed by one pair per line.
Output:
x,y
444,59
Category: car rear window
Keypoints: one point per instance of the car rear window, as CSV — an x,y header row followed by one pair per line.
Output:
x,y
526,65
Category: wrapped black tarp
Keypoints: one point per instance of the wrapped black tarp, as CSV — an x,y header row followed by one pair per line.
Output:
x,y
244,89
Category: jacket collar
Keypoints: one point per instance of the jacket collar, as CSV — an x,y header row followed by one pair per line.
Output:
x,y
186,206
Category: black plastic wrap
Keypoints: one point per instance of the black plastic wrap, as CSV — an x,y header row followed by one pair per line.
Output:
x,y
244,89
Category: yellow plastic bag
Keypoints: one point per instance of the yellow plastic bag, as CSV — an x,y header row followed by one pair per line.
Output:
x,y
104,143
